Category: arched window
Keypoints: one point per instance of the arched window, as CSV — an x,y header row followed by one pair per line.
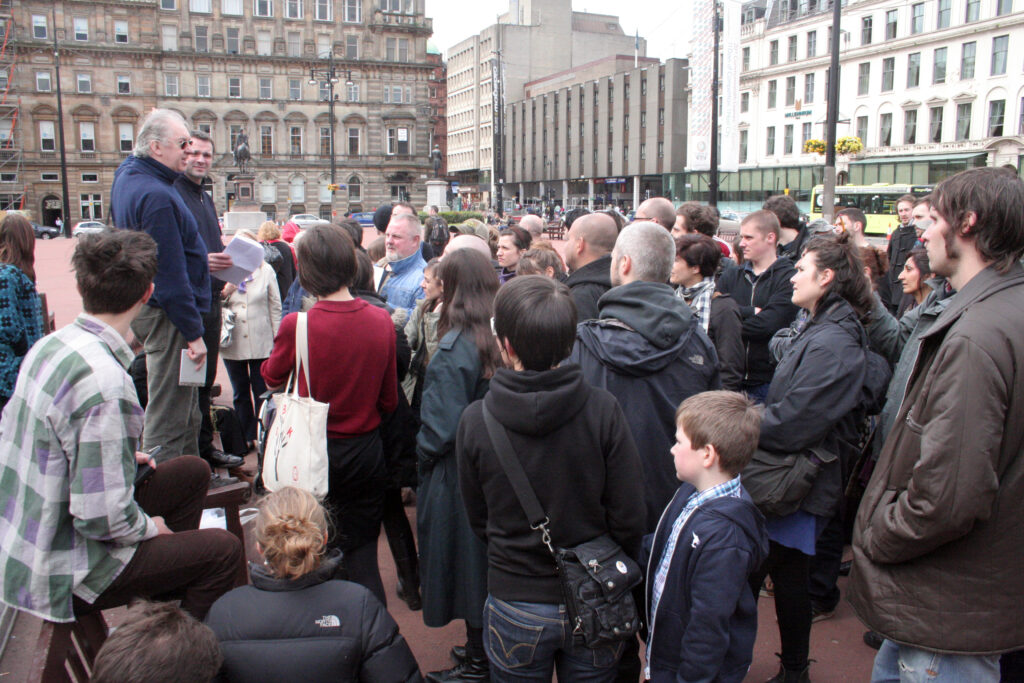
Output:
x,y
354,189
268,191
297,190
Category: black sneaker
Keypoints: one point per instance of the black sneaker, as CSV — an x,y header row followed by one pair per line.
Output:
x,y
471,670
226,460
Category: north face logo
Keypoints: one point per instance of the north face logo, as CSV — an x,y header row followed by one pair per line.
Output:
x,y
697,360
328,621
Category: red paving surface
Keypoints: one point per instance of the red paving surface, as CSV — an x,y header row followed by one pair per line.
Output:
x,y
836,645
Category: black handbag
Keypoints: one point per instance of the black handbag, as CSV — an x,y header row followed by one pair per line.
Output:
x,y
778,483
597,576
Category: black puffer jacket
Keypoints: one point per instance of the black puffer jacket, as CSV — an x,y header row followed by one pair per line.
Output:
x,y
817,397
588,284
312,629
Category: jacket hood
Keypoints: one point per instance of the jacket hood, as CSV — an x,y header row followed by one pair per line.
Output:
x,y
744,514
536,403
596,272
264,580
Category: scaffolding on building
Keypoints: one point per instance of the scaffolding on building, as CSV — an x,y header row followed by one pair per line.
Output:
x,y
12,180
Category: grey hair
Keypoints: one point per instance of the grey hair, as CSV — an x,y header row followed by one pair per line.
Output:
x,y
413,223
156,128
650,249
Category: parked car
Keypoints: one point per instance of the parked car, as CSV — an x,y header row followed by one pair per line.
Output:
x,y
86,227
307,220
44,232
364,218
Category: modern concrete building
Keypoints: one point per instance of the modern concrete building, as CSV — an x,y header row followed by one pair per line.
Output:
x,y
605,133
930,87
227,66
535,38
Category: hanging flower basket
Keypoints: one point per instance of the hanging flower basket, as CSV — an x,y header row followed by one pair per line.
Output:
x,y
849,145
814,146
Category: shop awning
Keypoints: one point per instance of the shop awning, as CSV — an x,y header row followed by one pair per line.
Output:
x,y
922,157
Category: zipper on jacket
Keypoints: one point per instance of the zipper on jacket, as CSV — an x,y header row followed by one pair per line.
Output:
x,y
746,344
650,620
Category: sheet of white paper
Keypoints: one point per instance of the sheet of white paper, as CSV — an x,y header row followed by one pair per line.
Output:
x,y
247,257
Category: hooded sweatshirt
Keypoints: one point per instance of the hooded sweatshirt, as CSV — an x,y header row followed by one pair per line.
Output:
x,y
648,349
588,283
576,450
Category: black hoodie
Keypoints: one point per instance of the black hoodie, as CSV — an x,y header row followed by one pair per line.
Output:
x,y
650,352
588,283
576,450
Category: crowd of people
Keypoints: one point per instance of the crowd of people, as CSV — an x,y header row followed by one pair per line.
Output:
x,y
730,415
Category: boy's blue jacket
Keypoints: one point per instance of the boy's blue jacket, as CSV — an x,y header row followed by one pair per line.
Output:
x,y
706,621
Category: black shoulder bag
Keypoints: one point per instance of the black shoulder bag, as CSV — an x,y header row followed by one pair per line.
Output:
x,y
597,577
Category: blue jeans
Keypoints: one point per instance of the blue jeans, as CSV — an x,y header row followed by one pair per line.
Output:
x,y
526,641
904,664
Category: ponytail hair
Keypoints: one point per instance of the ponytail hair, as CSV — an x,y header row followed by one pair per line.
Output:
x,y
839,254
292,531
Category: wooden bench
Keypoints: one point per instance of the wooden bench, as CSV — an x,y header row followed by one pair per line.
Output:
x,y
556,230
230,497
65,652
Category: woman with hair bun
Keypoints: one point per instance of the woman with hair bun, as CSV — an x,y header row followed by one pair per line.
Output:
x,y
21,322
299,619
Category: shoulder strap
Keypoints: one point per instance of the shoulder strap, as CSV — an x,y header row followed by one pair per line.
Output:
x,y
517,477
302,353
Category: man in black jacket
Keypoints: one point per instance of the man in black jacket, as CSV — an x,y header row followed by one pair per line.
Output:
x,y
900,243
762,289
792,231
587,254
200,203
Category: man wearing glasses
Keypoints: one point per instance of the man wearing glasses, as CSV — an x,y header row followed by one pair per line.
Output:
x,y
143,198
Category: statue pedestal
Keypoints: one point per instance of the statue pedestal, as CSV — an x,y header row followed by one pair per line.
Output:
x,y
244,213
437,193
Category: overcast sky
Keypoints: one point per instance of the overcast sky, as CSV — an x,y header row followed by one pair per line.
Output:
x,y
664,24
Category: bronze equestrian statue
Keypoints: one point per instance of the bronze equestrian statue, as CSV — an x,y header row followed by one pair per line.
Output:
x,y
242,155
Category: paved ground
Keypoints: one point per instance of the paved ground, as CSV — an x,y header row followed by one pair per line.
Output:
x,y
835,644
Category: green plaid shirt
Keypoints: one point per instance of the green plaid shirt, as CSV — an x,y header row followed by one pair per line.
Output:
x,y
69,522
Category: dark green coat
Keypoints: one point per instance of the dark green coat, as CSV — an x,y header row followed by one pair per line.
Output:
x,y
453,561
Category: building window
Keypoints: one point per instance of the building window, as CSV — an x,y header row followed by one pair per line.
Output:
x,y
297,190
403,49
805,133
963,121
791,49
1003,7
263,8
124,85
169,38
294,89
391,48
293,9
354,189
81,27
90,177
1020,125
231,40
863,78
325,141
661,150
325,91
324,47
945,10
862,129
234,89
973,9
939,66
323,10
996,114
49,177
39,26
231,7
917,18
888,73
910,127
295,140
744,108
201,6
812,44
202,86
398,141
1000,44
787,139
773,93
87,136
201,43
293,43
206,127
352,46
266,140
266,89
744,139
234,130
914,70
967,55
353,11
769,148
808,88
171,85
935,124
168,4
91,206
865,30
790,91
885,130
643,153
353,92
746,65
120,31
84,83
890,24
268,191
125,138
661,118
773,53
744,97
264,43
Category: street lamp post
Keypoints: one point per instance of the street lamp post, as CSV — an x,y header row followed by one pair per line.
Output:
x,y
330,75
66,201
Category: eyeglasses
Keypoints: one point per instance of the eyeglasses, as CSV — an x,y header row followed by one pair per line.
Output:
x,y
183,142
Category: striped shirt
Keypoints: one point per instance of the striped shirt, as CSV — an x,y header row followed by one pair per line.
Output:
x,y
69,523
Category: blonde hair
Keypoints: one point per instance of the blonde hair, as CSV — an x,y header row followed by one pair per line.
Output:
x,y
292,531
269,231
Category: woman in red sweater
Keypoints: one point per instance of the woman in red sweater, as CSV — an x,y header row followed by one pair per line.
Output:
x,y
351,368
